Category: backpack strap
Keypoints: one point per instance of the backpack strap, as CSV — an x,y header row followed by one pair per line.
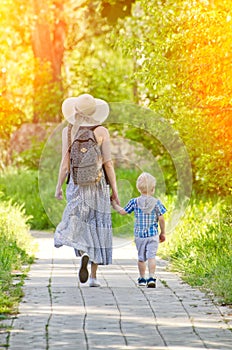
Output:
x,y
95,126
92,128
70,134
69,150
69,137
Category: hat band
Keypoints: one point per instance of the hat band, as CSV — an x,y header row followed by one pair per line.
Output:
x,y
79,117
84,116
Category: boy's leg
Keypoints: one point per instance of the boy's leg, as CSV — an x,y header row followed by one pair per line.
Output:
x,y
151,282
151,267
142,268
141,261
152,247
141,247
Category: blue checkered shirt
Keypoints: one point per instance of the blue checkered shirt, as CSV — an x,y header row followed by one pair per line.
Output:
x,y
146,225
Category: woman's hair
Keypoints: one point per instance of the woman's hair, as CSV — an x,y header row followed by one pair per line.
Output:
x,y
146,183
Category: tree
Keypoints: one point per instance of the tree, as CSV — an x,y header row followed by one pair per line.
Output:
x,y
113,9
8,125
182,53
47,39
48,32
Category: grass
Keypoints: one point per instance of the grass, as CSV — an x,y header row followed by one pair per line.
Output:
x,y
16,255
200,247
20,185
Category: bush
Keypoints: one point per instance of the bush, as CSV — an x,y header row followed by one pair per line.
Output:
x,y
200,247
21,186
16,252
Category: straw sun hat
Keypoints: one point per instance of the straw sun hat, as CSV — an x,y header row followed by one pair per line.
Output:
x,y
95,110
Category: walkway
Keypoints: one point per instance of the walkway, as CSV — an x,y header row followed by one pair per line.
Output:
x,y
59,313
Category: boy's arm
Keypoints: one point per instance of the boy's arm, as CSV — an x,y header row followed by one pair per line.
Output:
x,y
162,228
117,207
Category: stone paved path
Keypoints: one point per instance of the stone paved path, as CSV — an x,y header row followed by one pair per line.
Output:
x,y
58,312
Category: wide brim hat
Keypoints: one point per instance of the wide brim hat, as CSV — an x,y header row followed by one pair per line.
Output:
x,y
95,109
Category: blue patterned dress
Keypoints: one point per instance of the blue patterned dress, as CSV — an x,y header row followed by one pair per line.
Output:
x,y
86,223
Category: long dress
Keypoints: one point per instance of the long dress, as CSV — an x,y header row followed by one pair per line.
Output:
x,y
86,222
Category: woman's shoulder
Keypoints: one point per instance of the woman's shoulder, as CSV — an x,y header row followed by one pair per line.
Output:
x,y
102,131
65,134
65,129
101,128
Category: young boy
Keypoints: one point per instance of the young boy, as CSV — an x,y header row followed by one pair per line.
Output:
x,y
148,213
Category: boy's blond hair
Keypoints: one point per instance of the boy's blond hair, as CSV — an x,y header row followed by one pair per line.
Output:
x,y
146,183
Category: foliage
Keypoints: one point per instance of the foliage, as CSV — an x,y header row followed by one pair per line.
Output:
x,y
10,119
181,52
36,74
47,92
30,158
176,60
155,153
113,9
16,58
104,72
200,247
16,251
21,186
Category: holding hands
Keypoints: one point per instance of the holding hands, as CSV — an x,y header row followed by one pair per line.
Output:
x,y
59,193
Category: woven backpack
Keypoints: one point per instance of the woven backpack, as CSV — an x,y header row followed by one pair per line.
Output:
x,y
85,156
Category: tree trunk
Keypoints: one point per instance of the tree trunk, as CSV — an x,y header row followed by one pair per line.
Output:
x,y
48,38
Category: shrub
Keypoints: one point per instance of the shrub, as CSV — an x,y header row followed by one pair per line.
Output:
x,y
200,247
21,186
16,253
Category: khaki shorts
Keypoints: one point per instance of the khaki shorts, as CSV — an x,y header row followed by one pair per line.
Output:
x,y
147,247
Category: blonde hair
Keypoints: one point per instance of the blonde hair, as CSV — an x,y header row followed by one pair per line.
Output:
x,y
146,183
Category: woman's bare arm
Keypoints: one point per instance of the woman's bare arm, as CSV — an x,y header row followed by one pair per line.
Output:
x,y
64,165
103,134
118,208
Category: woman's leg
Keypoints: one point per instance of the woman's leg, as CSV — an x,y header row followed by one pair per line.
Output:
x,y
93,282
93,270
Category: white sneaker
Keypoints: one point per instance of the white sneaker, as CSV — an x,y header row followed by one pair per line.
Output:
x,y
93,282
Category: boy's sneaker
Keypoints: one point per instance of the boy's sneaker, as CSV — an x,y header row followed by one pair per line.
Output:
x,y
83,272
151,282
142,282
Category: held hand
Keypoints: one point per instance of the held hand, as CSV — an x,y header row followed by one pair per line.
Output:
x,y
114,204
162,237
114,197
59,194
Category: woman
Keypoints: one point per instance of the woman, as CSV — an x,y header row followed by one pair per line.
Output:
x,y
86,222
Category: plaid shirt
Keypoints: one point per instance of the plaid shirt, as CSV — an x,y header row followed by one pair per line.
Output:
x,y
146,225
